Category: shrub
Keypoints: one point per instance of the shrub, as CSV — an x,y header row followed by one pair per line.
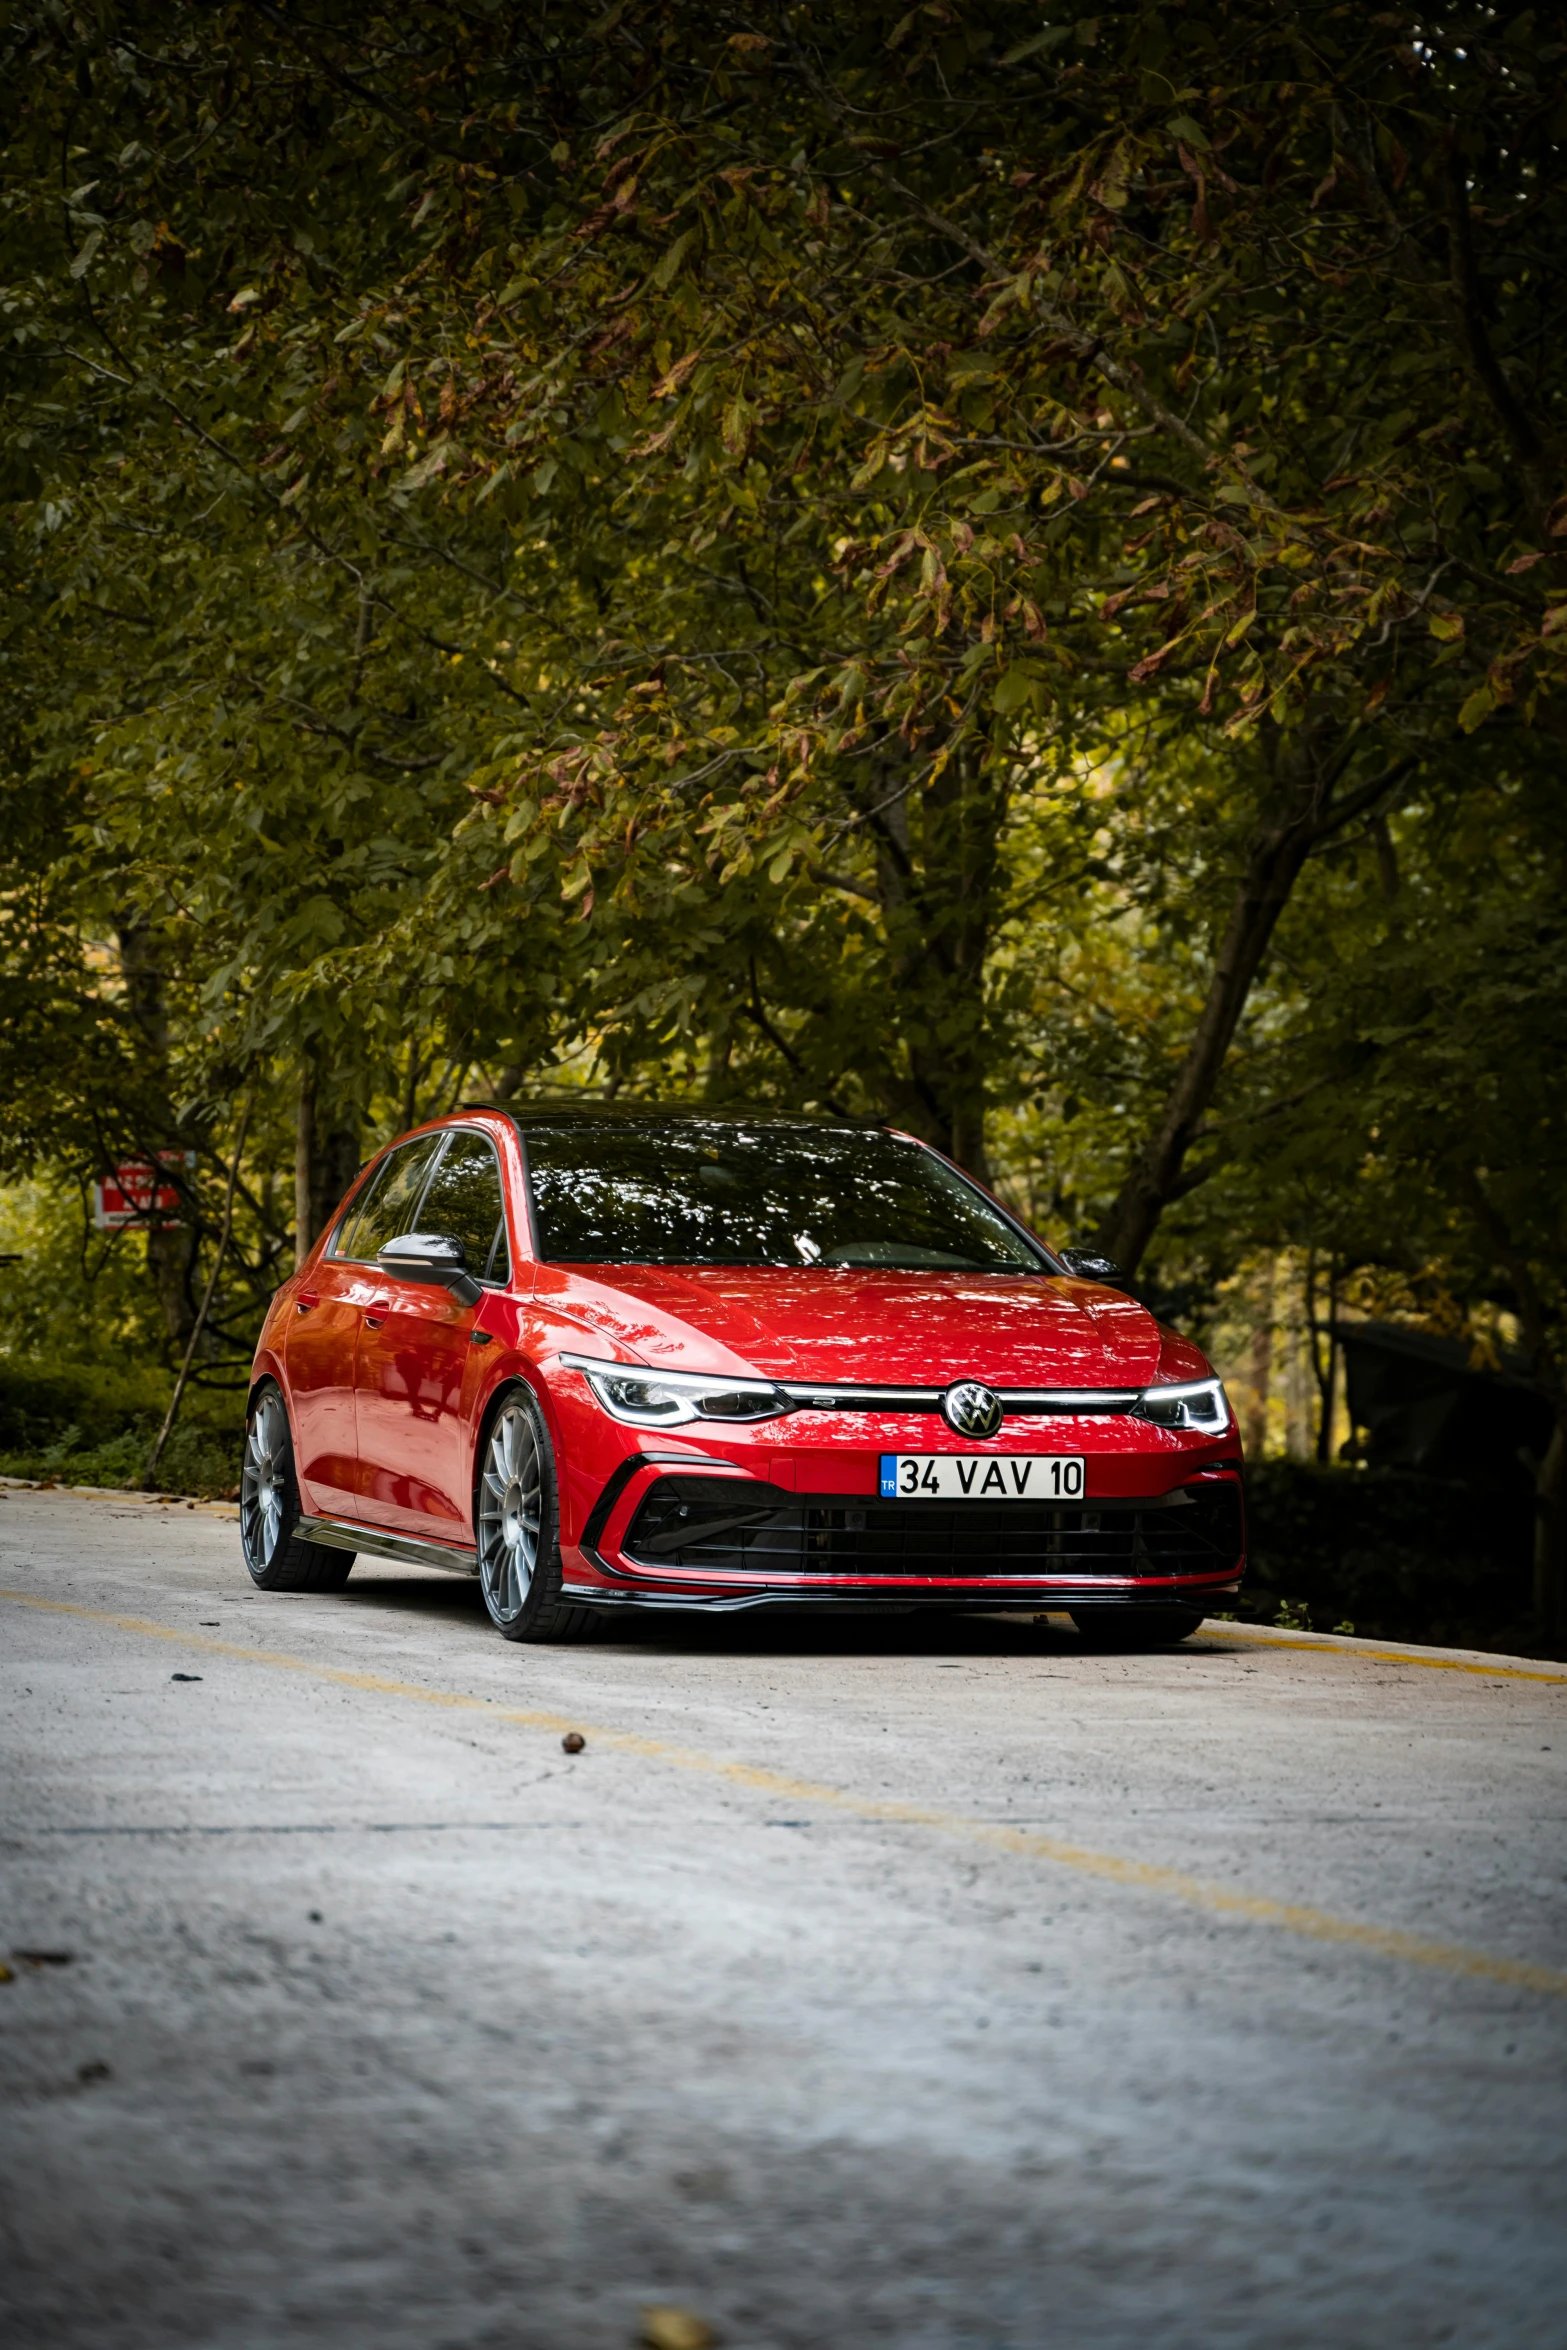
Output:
x,y
92,1424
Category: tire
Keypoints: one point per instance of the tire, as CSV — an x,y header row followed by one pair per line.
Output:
x,y
1136,1627
517,1521
269,1506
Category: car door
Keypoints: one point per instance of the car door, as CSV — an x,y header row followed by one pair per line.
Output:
x,y
322,1341
319,1346
414,1467
318,1363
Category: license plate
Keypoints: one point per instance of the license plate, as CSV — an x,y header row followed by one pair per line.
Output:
x,y
981,1476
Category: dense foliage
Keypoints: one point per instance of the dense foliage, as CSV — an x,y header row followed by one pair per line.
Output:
x,y
988,565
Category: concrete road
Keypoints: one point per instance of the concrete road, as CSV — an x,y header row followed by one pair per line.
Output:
x,y
916,1983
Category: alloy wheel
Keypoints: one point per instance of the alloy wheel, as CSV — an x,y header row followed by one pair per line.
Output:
x,y
263,1480
511,1513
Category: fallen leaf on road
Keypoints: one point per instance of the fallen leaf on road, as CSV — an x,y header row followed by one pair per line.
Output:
x,y
573,1742
43,1957
667,2328
184,1676
97,2070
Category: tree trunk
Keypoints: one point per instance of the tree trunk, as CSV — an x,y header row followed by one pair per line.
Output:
x,y
937,894
326,1160
333,1169
1325,1368
1277,851
1300,811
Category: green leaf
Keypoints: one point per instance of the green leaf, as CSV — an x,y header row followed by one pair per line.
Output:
x,y
1051,38
1021,687
738,425
668,263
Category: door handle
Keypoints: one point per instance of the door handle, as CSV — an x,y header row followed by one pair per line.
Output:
x,y
306,1299
376,1312
374,1321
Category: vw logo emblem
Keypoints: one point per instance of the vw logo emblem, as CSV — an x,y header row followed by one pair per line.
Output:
x,y
970,1408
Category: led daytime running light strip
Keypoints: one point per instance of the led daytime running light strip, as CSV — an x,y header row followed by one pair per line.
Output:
x,y
1177,1404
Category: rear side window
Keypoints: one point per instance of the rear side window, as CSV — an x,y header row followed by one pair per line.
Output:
x,y
388,1205
464,1199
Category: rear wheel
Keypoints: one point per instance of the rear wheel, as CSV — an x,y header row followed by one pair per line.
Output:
x,y
518,1522
269,1507
1136,1627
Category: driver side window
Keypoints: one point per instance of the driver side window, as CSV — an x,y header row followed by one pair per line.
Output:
x,y
390,1201
464,1199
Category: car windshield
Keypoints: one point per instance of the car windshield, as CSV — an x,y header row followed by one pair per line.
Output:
x,y
699,1192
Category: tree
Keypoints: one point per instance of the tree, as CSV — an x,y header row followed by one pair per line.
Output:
x,y
1417,1117
669,540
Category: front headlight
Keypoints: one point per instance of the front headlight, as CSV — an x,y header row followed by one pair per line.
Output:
x,y
1199,1403
665,1399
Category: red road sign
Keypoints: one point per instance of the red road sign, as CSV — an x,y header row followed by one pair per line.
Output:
x,y
139,1193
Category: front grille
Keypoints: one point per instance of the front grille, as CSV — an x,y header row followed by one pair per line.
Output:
x,y
706,1523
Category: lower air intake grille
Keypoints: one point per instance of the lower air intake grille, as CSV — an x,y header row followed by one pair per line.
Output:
x,y
706,1523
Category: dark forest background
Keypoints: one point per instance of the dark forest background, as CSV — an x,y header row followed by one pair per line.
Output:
x,y
992,566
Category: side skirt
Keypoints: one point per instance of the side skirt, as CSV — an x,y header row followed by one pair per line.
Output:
x,y
337,1534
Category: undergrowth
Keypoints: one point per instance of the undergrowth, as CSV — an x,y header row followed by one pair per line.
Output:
x,y
88,1424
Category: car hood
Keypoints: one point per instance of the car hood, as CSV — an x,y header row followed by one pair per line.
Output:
x,y
903,1329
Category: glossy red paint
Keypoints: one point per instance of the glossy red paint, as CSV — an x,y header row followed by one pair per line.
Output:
x,y
389,1386
315,1335
892,1329
409,1371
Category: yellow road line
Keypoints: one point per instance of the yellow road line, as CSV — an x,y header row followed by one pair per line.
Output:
x,y
1317,1925
1382,1656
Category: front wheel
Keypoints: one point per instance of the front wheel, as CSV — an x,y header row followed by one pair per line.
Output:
x,y
1136,1627
269,1506
518,1522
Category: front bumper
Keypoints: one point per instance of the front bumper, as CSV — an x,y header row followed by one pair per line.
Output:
x,y
673,1531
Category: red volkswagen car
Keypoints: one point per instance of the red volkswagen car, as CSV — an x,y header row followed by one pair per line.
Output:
x,y
703,1360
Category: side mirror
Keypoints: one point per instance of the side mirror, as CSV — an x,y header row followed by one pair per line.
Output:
x,y
431,1256
1086,1264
